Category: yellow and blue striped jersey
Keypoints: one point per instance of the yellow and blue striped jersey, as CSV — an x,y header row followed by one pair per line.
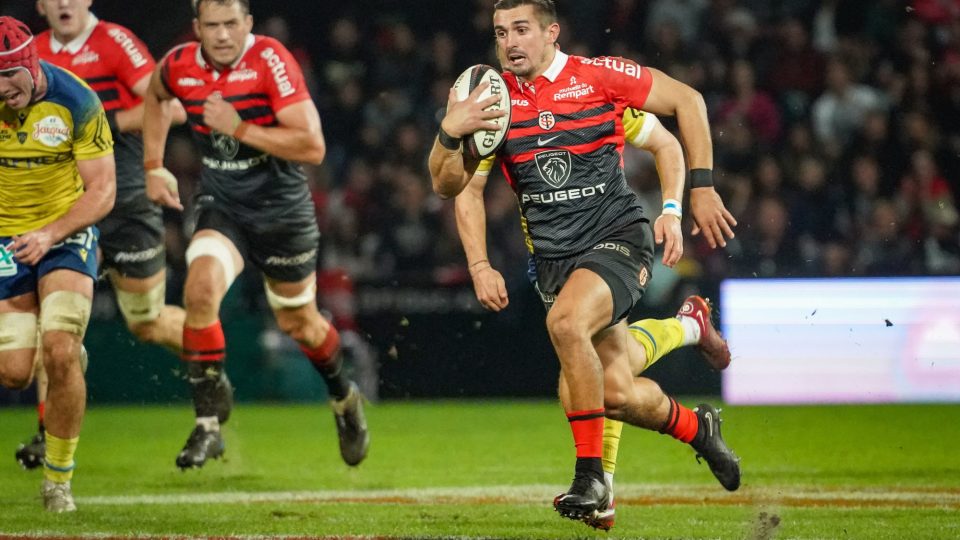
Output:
x,y
637,126
39,149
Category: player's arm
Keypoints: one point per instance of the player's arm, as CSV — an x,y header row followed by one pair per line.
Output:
x,y
669,96
448,169
668,156
100,189
488,283
161,184
131,119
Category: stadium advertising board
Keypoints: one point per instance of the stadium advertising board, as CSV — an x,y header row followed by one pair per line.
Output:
x,y
842,340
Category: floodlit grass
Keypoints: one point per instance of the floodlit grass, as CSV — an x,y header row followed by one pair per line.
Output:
x,y
490,469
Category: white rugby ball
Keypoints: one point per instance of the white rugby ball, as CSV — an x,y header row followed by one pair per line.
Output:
x,y
484,143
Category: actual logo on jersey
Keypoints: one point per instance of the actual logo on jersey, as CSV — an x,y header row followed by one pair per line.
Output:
x,y
554,167
22,137
546,120
189,81
279,69
225,145
127,44
51,131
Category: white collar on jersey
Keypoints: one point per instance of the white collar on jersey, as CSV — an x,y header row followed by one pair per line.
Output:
x,y
75,44
559,62
202,62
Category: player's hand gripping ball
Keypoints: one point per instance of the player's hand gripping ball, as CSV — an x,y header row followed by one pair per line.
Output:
x,y
484,143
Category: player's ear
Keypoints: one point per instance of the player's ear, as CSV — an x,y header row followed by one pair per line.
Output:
x,y
554,32
40,8
249,21
196,27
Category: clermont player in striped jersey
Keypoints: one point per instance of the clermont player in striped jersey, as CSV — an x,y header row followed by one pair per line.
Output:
x,y
251,116
592,243
117,66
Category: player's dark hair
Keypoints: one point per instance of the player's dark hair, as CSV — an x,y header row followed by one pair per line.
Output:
x,y
245,4
545,10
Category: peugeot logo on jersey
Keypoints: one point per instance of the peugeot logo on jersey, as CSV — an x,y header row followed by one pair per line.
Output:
x,y
546,120
554,167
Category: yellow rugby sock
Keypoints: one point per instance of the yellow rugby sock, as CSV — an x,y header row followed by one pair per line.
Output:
x,y
58,462
611,444
658,337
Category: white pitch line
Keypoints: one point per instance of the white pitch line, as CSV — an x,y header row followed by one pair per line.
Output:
x,y
538,493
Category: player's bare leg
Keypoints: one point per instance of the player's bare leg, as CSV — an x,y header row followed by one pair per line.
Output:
x,y
582,309
151,320
295,308
64,314
214,262
639,401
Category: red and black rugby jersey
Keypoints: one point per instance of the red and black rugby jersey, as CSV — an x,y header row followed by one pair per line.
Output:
x,y
264,80
563,155
112,60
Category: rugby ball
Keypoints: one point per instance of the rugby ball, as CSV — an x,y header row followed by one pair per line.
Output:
x,y
481,144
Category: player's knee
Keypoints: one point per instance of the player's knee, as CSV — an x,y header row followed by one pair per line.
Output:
x,y
562,325
199,295
18,341
615,403
146,332
16,371
61,355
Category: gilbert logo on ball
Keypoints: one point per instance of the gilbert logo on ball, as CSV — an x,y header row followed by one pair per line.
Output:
x,y
484,143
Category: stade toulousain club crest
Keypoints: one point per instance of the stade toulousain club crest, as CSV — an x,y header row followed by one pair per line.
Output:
x,y
225,145
546,120
554,167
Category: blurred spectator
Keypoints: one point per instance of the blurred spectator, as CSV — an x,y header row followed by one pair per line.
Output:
x,y
884,250
841,109
796,71
747,104
682,15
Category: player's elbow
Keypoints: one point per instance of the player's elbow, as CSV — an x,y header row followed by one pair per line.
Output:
x,y
108,197
315,152
445,188
692,98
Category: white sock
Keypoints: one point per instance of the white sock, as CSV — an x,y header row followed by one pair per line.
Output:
x,y
691,330
209,423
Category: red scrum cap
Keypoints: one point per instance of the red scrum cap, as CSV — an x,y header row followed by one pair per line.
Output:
x,y
17,48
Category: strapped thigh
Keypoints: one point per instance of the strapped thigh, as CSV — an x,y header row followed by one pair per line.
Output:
x,y
18,331
66,311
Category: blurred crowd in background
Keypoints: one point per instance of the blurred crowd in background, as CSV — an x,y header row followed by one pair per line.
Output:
x,y
836,128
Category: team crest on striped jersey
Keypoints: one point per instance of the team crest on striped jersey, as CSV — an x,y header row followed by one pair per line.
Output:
x,y
554,167
547,121
225,145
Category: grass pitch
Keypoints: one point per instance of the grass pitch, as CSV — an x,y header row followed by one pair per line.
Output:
x,y
473,469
